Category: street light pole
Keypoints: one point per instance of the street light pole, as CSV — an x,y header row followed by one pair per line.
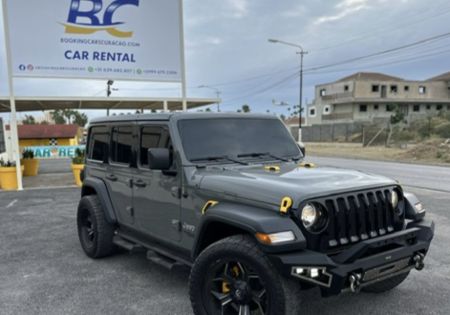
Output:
x,y
302,53
218,93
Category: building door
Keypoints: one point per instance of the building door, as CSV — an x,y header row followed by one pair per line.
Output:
x,y
155,193
383,91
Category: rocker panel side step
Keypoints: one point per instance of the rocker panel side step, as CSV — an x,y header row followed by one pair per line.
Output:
x,y
130,246
163,261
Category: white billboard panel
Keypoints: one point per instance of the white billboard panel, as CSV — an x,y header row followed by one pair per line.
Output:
x,y
96,39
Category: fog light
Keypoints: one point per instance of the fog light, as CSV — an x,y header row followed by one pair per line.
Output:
x,y
316,275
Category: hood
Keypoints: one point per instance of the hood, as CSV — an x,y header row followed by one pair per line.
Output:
x,y
257,184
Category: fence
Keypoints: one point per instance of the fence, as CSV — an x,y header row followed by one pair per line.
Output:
x,y
332,133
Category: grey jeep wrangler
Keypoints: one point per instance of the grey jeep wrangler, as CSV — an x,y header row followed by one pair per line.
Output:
x,y
231,196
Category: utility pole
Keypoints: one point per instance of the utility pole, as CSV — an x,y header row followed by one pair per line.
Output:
x,y
108,92
218,93
302,53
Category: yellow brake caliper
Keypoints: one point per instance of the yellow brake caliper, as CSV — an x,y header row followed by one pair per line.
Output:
x,y
226,285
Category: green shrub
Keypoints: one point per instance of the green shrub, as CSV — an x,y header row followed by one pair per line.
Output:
x,y
79,157
28,154
443,130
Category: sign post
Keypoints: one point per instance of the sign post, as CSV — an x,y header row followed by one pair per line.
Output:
x,y
12,100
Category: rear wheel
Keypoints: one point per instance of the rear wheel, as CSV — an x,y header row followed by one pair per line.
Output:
x,y
94,232
386,285
233,276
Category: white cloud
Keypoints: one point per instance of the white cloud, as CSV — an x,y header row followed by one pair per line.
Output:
x,y
239,8
344,9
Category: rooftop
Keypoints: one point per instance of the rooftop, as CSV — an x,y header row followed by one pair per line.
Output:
x,y
370,76
46,131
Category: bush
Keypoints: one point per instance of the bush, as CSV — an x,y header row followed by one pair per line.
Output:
x,y
443,130
79,157
28,154
7,163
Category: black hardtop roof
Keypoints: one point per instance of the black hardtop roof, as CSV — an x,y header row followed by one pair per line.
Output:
x,y
178,116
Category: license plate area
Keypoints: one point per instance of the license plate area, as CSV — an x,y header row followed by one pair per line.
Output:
x,y
387,269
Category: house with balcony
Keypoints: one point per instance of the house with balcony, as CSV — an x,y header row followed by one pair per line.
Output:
x,y
368,97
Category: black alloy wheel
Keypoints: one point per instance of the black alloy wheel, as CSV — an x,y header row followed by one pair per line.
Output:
x,y
232,287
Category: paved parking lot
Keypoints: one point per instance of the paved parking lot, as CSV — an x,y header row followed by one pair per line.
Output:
x,y
44,271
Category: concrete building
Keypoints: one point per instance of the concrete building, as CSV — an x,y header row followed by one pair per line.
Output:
x,y
372,98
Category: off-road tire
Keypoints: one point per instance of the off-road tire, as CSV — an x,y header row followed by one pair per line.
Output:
x,y
386,285
101,244
284,293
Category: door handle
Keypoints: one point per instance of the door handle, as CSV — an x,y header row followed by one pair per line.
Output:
x,y
139,183
111,177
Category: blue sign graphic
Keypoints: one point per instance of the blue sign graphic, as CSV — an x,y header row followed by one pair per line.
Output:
x,y
54,152
74,26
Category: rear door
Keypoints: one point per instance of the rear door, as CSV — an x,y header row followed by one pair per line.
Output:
x,y
119,176
156,193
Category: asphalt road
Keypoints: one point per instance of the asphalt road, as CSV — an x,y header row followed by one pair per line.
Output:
x,y
44,271
409,175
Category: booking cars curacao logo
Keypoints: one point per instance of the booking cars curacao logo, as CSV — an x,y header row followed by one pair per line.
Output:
x,y
85,17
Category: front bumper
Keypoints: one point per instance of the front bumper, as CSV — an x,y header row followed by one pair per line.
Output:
x,y
369,261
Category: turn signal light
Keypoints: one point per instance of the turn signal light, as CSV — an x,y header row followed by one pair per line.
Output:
x,y
275,238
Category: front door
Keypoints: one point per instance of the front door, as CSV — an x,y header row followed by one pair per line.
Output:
x,y
119,175
155,193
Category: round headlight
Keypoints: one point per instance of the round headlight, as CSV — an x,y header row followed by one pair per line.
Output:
x,y
394,199
310,216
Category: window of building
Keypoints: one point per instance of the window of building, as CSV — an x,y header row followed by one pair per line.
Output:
x,y
428,107
448,107
323,92
390,107
422,89
394,88
375,88
416,108
312,112
327,109
98,144
439,107
363,108
121,143
346,88
376,107
406,88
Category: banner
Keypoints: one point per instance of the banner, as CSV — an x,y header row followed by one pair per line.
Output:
x,y
53,152
96,39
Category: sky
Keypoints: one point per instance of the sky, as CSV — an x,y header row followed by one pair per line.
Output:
x,y
227,47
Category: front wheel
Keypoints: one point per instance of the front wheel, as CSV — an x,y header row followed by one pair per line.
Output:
x,y
233,276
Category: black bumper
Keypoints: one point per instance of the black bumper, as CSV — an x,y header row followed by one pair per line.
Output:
x,y
393,253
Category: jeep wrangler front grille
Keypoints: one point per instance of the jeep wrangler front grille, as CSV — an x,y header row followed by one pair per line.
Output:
x,y
358,216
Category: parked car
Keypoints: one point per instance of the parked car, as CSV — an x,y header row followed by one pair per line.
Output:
x,y
232,197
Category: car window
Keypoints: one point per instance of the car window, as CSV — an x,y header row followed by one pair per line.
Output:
x,y
151,137
121,144
98,144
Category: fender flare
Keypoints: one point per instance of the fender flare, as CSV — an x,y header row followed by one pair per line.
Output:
x,y
101,191
250,219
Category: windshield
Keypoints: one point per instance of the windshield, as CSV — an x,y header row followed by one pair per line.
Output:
x,y
236,137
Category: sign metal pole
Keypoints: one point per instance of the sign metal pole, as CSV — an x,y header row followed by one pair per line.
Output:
x,y
14,135
183,60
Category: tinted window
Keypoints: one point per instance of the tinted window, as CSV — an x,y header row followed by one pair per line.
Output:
x,y
98,143
233,136
150,138
121,143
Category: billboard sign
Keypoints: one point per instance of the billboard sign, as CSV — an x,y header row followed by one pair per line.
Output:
x,y
96,39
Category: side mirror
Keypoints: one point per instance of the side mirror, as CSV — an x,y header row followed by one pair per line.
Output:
x,y
302,148
159,159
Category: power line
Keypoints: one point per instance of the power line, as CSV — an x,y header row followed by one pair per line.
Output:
x,y
380,53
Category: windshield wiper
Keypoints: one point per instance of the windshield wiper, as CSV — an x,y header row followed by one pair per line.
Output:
x,y
217,158
261,154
